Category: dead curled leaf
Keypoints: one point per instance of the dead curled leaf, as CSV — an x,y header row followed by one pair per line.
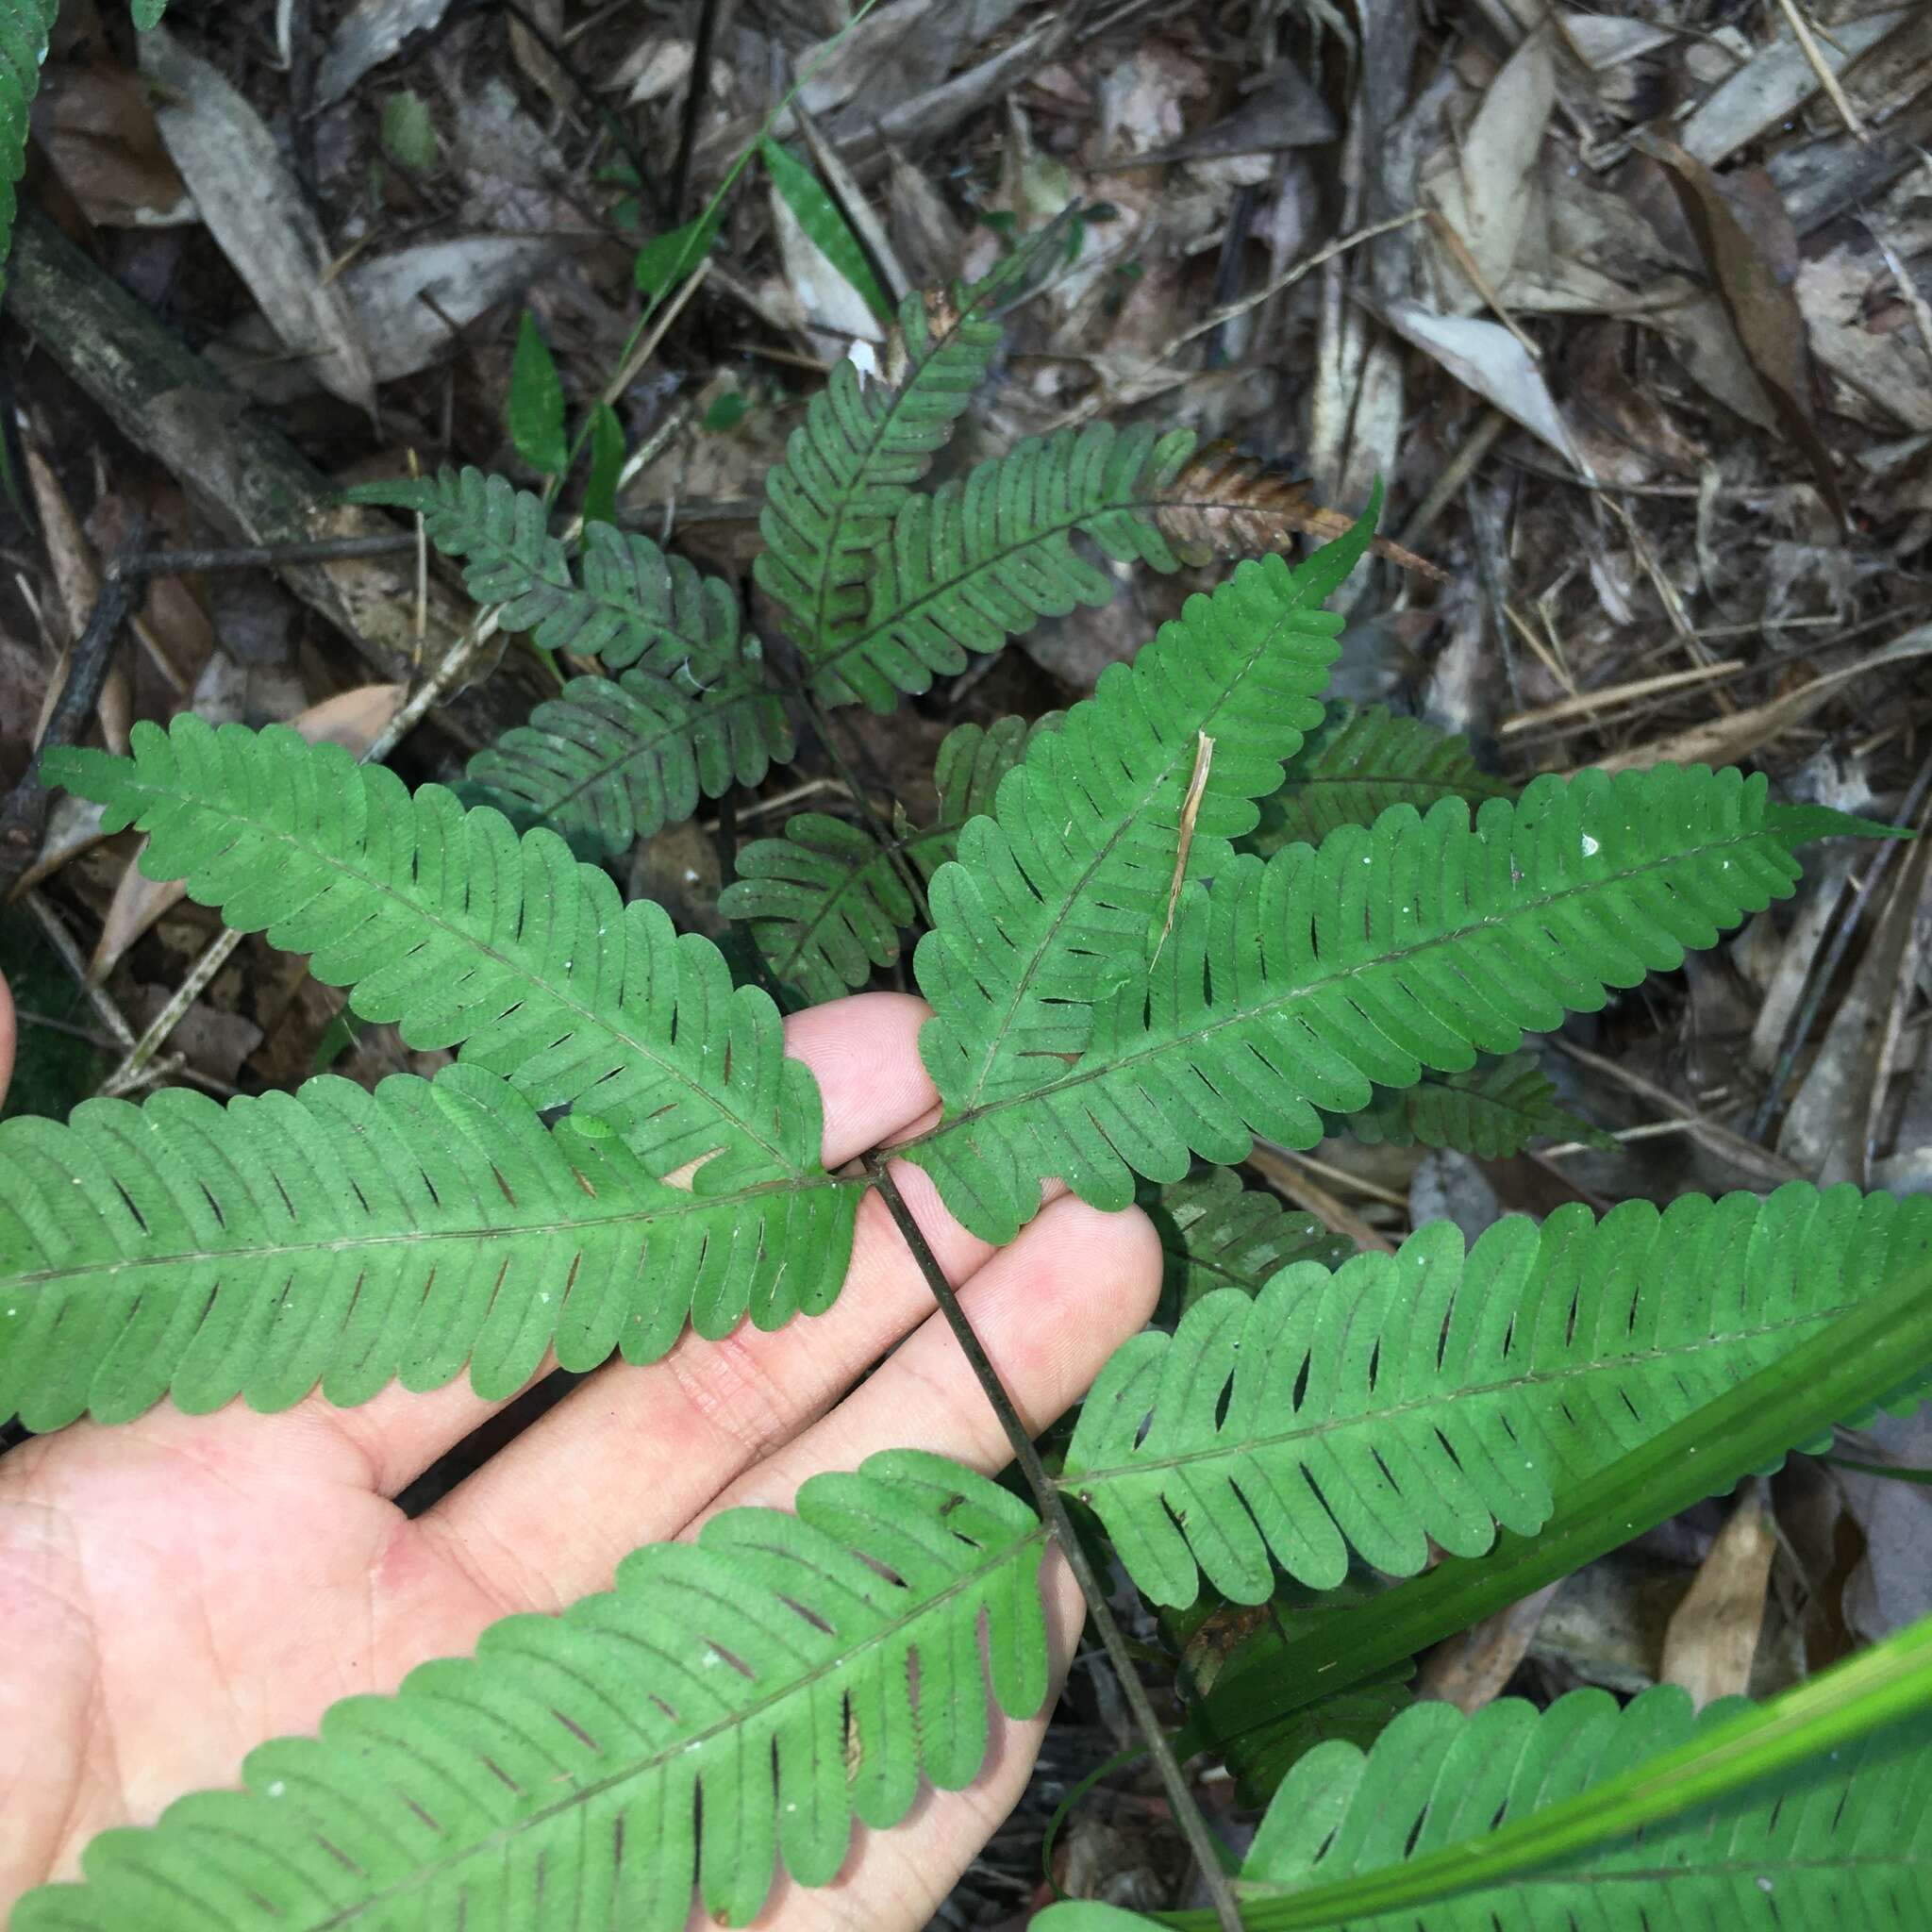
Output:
x,y
1224,503
1762,304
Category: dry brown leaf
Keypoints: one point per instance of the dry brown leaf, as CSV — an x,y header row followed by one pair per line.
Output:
x,y
1472,1669
1225,504
1712,1636
255,210
1484,357
97,126
76,589
352,719
1487,193
1739,246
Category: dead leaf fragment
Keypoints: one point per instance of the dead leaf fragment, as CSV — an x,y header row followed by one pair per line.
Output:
x,y
256,212
97,126
1762,308
1484,357
1712,1636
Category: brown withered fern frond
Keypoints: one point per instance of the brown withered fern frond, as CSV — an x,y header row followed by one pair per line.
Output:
x,y
1225,503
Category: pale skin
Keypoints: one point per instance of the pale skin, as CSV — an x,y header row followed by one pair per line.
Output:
x,y
176,1590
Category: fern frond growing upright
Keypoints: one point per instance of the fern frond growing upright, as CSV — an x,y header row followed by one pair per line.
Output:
x,y
616,759
734,1704
345,1239
983,560
636,604
826,903
1434,1396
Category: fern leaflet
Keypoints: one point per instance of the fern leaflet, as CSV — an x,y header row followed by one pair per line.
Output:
x,y
1434,1394
615,759
25,28
1842,1839
636,605
829,506
1495,1110
1304,983
347,1238
982,559
446,923
826,903
1063,887
1215,1233
734,1703
1358,764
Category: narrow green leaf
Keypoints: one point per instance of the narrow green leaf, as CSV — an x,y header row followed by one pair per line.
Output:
x,y
818,214
663,262
148,13
606,462
536,401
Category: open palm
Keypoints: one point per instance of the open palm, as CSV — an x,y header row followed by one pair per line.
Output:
x,y
176,1590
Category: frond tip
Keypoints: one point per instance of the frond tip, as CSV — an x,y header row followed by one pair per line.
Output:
x,y
1434,1394
735,1703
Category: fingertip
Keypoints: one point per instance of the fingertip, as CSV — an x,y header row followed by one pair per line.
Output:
x,y
6,1036
864,1054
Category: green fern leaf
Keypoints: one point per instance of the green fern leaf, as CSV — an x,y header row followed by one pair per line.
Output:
x,y
615,759
1358,764
1215,1233
1430,1395
636,605
445,923
1305,983
980,560
829,506
1493,1111
1064,888
345,1239
24,27
735,1703
1839,1840
827,902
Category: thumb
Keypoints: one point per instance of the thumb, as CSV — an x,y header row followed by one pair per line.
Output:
x,y
6,1038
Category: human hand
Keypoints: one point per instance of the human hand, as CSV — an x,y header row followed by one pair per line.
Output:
x,y
176,1590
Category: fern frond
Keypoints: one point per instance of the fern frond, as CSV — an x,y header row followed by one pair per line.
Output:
x,y
1305,983
1434,1394
734,1703
1842,1839
1358,764
1062,889
446,923
636,604
1215,1233
345,1239
827,902
25,28
829,506
615,759
1493,1111
982,559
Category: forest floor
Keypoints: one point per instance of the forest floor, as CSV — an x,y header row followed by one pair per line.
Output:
x,y
1630,309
